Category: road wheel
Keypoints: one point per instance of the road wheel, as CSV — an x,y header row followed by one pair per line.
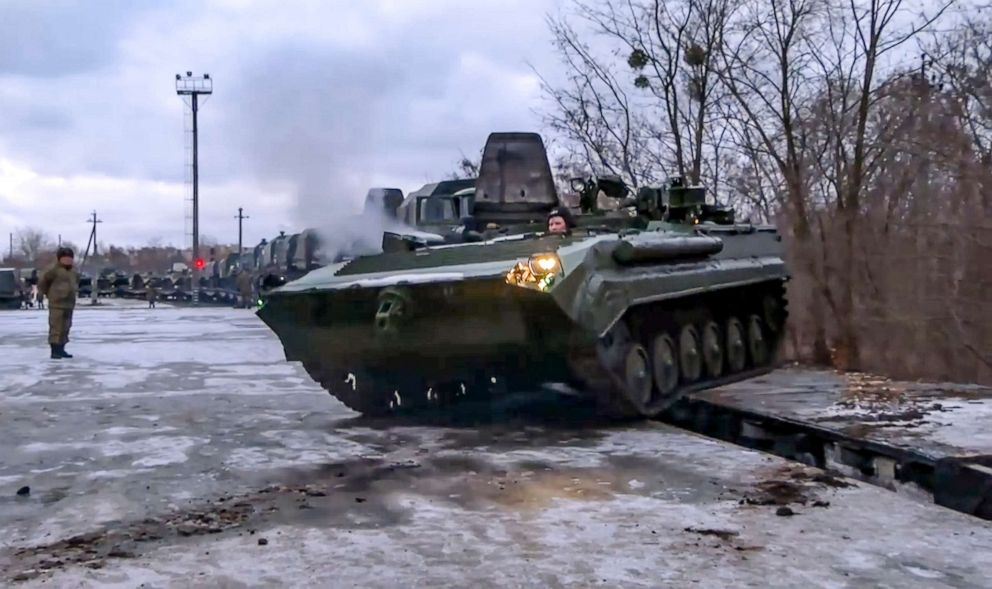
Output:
x,y
664,364
736,347
712,349
637,375
690,357
756,342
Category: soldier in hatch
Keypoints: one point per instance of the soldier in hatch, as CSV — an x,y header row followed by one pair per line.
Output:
x,y
59,284
560,221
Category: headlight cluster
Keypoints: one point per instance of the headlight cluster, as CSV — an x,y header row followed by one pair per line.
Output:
x,y
539,272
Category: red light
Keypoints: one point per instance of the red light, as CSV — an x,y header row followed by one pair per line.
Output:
x,y
198,263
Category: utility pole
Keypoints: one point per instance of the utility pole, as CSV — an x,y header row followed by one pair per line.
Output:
x,y
11,246
193,87
241,250
93,220
90,241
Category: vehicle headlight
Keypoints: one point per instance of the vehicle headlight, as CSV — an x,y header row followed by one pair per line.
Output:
x,y
542,264
539,272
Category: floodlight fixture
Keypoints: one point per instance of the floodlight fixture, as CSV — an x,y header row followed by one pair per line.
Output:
x,y
191,85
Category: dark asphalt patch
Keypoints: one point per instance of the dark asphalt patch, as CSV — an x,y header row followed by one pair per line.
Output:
x,y
792,485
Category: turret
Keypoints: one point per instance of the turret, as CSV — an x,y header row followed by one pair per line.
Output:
x,y
589,189
687,204
674,203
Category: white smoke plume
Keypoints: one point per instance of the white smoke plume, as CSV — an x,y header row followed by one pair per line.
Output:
x,y
310,124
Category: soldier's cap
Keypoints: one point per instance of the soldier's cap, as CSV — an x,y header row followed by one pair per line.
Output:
x,y
564,213
64,252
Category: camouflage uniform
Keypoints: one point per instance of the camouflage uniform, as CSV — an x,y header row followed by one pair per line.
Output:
x,y
151,293
244,285
59,284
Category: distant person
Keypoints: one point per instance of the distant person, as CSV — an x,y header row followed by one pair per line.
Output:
x,y
151,293
33,295
60,283
243,282
39,297
560,221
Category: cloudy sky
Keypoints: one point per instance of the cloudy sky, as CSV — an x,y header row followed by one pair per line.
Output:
x,y
315,102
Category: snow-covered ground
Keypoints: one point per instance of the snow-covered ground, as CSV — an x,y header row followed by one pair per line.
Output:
x,y
179,449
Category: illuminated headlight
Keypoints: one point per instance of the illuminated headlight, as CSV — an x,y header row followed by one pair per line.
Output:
x,y
539,272
543,264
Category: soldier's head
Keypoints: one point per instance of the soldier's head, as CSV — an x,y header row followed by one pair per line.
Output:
x,y
65,256
560,221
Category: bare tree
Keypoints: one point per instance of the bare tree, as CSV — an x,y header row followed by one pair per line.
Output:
x,y
593,111
964,59
466,168
850,59
765,64
32,243
657,111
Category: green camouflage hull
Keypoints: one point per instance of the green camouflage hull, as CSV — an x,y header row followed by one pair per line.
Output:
x,y
408,330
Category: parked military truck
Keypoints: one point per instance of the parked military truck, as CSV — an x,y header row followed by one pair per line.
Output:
x,y
12,293
634,307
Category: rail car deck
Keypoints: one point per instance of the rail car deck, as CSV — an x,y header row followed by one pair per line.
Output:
x,y
932,441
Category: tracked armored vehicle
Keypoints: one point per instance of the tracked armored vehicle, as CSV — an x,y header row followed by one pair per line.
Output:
x,y
633,306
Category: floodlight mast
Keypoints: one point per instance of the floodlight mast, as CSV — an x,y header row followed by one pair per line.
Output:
x,y
194,86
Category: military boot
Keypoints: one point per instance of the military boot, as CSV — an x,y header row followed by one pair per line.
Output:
x,y
63,353
55,352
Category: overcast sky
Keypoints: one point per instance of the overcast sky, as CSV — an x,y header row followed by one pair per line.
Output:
x,y
315,102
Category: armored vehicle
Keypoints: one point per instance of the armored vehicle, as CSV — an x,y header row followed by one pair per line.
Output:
x,y
438,206
633,306
386,200
11,288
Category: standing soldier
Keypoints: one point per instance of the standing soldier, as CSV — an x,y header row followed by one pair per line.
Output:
x,y
34,296
244,285
151,293
59,283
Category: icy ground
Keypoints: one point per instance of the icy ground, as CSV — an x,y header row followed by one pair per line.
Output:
x,y
179,449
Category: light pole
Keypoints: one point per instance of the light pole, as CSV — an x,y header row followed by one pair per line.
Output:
x,y
194,86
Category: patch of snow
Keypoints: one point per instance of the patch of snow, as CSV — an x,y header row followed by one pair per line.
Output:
x,y
395,279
